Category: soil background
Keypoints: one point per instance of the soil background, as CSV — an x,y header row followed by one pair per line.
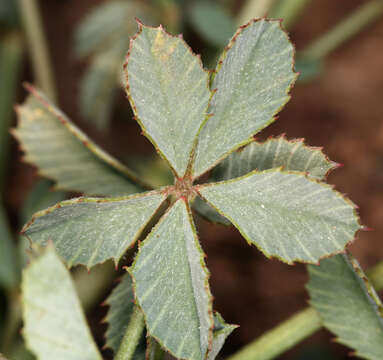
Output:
x,y
341,110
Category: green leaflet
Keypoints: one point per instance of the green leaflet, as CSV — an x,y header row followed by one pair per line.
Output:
x,y
92,230
54,324
278,152
254,76
121,305
348,305
286,214
221,331
104,37
291,155
168,90
211,21
65,154
171,286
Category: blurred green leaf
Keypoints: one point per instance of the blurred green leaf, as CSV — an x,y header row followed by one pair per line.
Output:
x,y
308,69
104,36
212,22
54,323
121,305
348,304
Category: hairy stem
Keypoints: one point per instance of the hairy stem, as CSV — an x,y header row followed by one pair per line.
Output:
x,y
289,11
132,336
38,49
254,9
343,31
295,329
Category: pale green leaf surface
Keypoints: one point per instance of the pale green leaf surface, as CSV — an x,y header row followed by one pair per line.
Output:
x,y
348,305
274,153
221,331
54,324
171,286
252,85
286,214
92,230
65,154
168,90
121,304
212,21
278,152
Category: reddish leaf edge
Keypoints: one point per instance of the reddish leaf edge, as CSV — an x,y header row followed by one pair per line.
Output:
x,y
141,26
268,255
77,134
218,68
207,287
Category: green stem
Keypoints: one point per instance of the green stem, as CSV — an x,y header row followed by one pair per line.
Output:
x,y
11,50
132,336
352,25
38,49
289,11
254,9
295,329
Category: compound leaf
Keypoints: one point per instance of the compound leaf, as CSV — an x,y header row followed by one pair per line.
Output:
x,y
274,153
65,154
54,324
287,215
279,152
348,304
171,286
253,78
221,331
168,90
92,230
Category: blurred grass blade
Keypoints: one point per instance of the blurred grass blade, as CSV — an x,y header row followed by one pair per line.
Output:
x,y
212,22
54,323
11,51
289,11
65,154
348,305
254,9
8,264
